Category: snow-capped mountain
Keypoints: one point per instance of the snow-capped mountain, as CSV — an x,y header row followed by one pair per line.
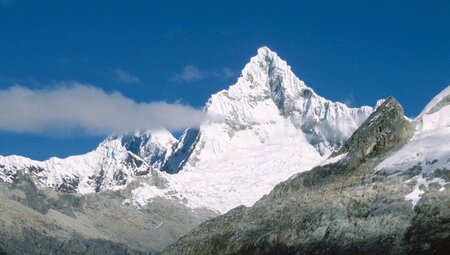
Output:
x,y
112,165
261,130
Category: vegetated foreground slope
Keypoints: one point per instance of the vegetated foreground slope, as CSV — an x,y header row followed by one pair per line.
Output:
x,y
371,201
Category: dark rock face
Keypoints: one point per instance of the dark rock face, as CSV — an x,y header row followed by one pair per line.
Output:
x,y
341,208
384,130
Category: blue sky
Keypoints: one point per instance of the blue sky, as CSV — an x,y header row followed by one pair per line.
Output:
x,y
181,52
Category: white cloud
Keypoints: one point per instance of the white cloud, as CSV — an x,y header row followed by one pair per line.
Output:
x,y
73,107
125,77
192,73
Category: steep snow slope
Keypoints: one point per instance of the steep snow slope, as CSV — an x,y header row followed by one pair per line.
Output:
x,y
242,175
263,129
110,166
428,152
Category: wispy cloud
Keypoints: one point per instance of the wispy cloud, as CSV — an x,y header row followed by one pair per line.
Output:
x,y
73,107
227,73
192,73
189,73
349,101
4,2
125,77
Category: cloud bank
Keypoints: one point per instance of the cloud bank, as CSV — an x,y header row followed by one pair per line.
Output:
x,y
78,108
189,73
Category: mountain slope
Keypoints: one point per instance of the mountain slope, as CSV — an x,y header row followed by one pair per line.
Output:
x,y
357,205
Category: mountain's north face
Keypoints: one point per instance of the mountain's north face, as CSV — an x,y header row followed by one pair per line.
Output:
x,y
374,177
268,120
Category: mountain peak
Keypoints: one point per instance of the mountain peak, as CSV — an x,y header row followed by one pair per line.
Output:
x,y
264,51
266,60
268,89
265,80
